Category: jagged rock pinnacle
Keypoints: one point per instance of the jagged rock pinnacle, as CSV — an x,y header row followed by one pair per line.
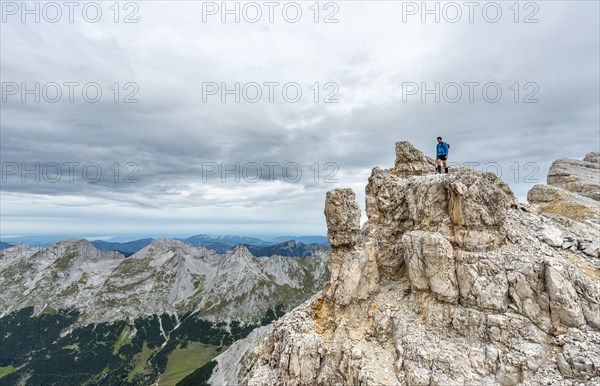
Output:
x,y
410,161
450,282
343,217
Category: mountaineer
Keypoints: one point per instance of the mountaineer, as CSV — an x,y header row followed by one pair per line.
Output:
x,y
441,155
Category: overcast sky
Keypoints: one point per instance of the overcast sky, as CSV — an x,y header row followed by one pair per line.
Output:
x,y
175,58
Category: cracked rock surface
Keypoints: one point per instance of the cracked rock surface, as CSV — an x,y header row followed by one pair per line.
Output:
x,y
451,281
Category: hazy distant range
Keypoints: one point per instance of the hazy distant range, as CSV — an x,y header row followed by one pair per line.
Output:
x,y
130,244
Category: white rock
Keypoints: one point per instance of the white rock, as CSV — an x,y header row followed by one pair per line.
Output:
x,y
550,235
433,291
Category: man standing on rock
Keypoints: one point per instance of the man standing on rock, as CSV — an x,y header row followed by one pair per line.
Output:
x,y
442,155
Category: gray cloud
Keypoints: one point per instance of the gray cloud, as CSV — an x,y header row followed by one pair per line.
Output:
x,y
370,54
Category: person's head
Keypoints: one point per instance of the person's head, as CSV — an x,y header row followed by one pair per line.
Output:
x,y
439,139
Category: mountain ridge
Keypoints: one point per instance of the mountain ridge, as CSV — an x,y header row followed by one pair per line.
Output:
x,y
167,275
74,314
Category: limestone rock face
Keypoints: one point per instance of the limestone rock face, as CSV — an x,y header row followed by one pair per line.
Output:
x,y
343,218
553,200
573,201
233,363
451,281
430,264
582,177
593,157
410,161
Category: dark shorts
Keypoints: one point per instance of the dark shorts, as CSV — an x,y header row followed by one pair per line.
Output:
x,y
442,157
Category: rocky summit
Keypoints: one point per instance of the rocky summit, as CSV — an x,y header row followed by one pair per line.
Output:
x,y
450,281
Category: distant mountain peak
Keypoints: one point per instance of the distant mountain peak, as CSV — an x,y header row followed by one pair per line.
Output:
x,y
242,252
164,242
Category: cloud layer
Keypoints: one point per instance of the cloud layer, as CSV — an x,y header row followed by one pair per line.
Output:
x,y
166,146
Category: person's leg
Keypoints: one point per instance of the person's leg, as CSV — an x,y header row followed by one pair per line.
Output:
x,y
446,165
438,165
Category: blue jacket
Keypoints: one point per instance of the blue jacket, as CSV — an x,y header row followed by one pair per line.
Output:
x,y
442,148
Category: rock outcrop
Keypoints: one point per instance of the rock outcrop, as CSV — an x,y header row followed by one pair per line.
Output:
x,y
411,162
553,200
233,363
451,281
573,200
573,189
581,177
